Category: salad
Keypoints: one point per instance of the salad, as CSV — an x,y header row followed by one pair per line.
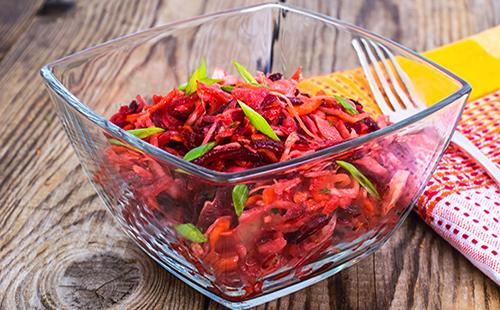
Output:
x,y
241,233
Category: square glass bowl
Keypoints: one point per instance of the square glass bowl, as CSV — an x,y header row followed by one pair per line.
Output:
x,y
272,249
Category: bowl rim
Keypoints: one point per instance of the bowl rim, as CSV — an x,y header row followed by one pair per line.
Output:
x,y
237,177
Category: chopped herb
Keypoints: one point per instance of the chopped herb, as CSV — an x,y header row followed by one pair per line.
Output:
x,y
197,75
358,176
209,81
190,232
245,75
199,151
119,143
240,196
275,210
143,133
346,105
200,75
227,88
258,121
140,133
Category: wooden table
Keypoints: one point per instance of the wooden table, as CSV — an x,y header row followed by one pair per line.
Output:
x,y
59,248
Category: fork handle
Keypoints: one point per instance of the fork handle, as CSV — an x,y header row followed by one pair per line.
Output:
x,y
468,147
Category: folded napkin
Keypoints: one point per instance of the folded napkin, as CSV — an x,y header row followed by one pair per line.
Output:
x,y
461,203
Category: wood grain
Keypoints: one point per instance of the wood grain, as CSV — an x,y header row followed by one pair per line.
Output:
x,y
59,248
15,17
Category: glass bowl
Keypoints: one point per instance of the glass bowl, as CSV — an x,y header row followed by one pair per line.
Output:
x,y
273,248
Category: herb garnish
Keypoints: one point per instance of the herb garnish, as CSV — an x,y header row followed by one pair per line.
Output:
x,y
240,196
258,121
199,151
140,133
358,176
143,133
346,105
200,75
245,75
190,232
227,88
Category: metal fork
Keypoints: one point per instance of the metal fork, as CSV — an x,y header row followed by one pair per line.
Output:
x,y
408,104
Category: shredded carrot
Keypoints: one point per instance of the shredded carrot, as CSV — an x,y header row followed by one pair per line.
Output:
x,y
253,199
222,225
268,195
308,107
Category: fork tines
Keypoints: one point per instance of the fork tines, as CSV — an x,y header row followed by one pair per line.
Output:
x,y
387,78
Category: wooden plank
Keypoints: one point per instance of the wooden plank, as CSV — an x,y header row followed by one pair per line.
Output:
x,y
496,8
15,17
60,249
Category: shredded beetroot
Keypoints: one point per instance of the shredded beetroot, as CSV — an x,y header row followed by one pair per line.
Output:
x,y
285,219
211,114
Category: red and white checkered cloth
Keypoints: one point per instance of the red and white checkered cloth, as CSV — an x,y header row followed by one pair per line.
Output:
x,y
461,202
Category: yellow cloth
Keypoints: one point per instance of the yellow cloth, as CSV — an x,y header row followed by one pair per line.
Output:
x,y
475,59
